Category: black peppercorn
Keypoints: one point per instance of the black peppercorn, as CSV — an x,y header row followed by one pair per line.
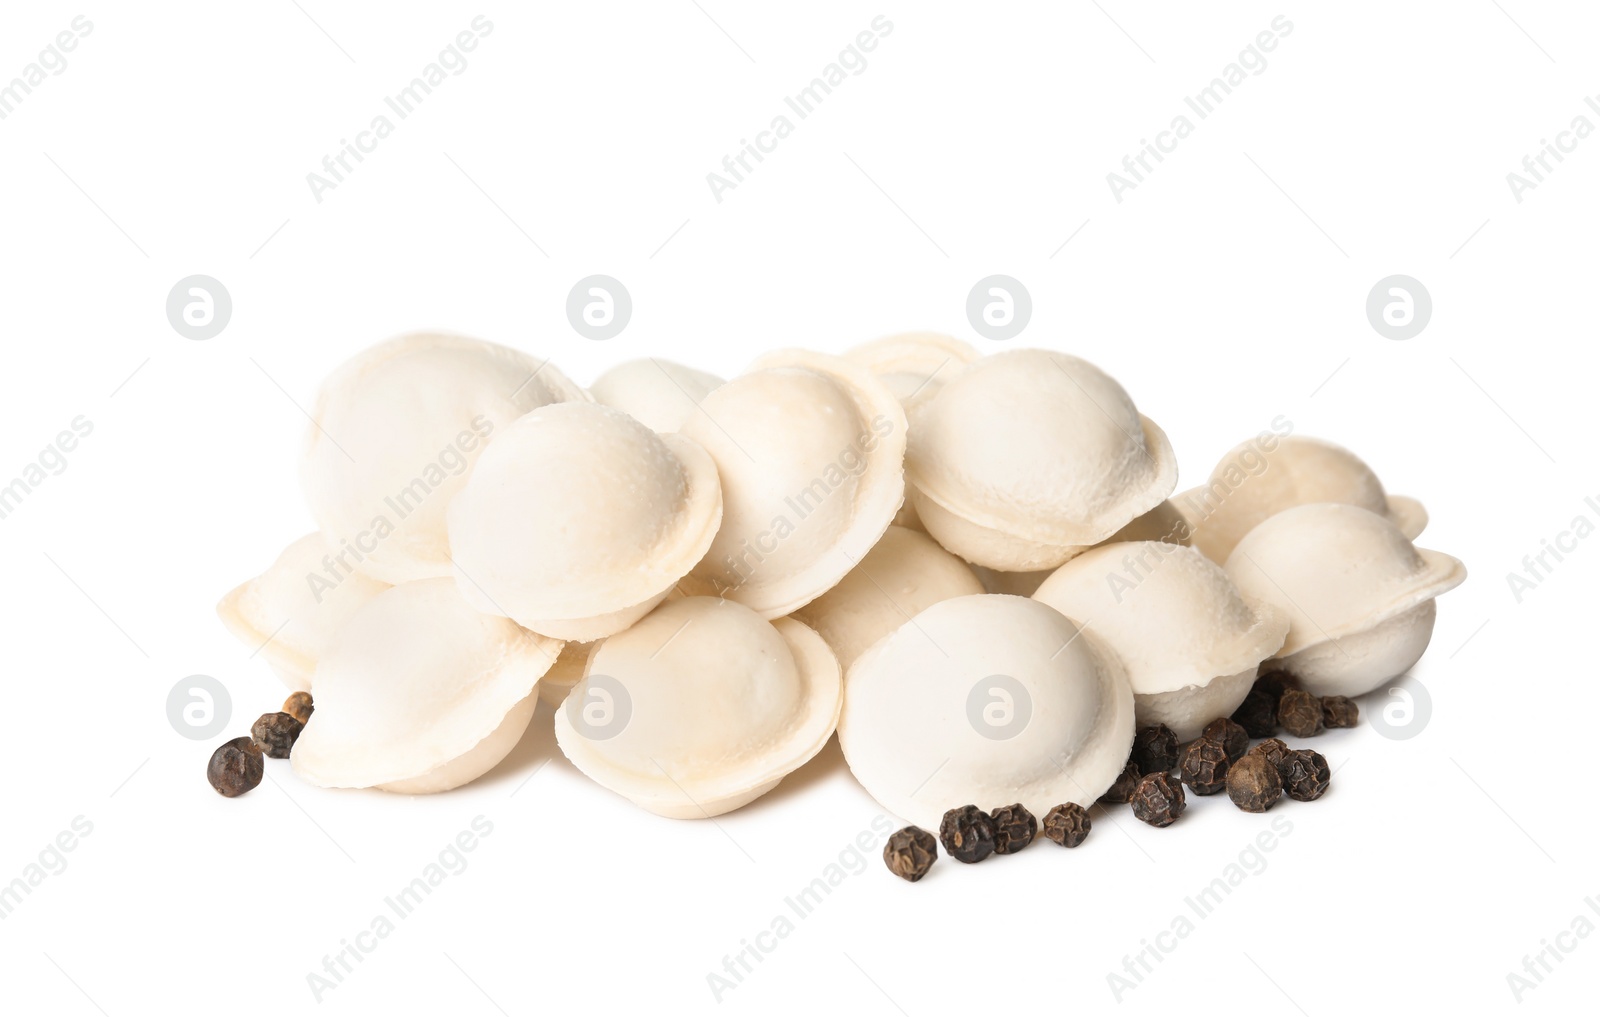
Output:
x,y
275,733
1014,827
298,706
235,767
1067,825
1121,791
1155,749
1300,713
1158,799
1258,714
967,834
1305,775
910,853
1278,682
1254,784
1233,738
1273,748
1203,766
1339,711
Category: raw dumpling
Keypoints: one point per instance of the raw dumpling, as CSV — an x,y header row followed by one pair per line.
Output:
x,y
1028,457
579,519
809,449
701,707
1358,594
419,693
986,700
657,393
292,610
394,433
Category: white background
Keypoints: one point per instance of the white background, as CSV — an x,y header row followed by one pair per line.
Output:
x,y
1225,290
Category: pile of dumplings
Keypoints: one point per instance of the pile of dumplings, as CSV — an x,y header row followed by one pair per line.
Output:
x,y
973,569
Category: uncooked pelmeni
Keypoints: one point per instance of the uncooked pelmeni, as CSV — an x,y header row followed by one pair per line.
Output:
x,y
291,611
1261,477
986,700
701,707
1028,457
578,520
419,693
1191,644
396,430
809,449
657,393
905,572
914,365
1359,595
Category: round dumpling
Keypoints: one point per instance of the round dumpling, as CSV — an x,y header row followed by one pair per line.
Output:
x,y
394,433
1261,477
986,700
905,572
290,612
809,449
1027,457
657,393
1359,595
701,707
419,693
914,365
579,519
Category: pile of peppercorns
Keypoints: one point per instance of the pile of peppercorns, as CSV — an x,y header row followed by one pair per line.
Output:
x,y
970,834
239,764
1221,759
